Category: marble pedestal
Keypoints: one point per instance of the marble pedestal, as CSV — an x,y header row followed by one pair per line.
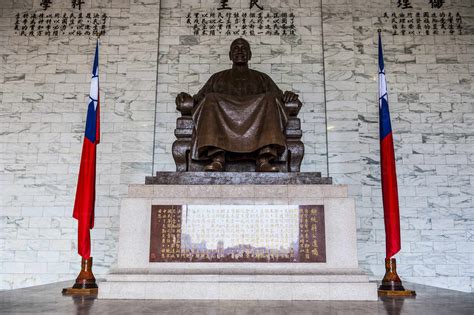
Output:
x,y
338,278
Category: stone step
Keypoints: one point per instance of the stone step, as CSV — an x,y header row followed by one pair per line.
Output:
x,y
235,278
238,287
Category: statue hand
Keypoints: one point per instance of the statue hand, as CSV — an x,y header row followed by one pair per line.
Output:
x,y
289,96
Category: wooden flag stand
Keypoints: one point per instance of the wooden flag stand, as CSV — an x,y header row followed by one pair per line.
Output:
x,y
391,284
85,281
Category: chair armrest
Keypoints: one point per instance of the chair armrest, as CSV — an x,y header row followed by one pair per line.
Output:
x,y
185,106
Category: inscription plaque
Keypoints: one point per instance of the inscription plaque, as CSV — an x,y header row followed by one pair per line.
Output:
x,y
238,233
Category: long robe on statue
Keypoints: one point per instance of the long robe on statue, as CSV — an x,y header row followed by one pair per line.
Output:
x,y
238,111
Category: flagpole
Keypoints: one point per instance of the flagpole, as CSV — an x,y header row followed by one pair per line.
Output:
x,y
391,282
84,204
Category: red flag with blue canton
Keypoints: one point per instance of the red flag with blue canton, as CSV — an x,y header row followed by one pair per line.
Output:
x,y
388,170
85,193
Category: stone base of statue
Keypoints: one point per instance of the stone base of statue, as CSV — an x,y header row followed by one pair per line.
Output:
x,y
237,178
238,242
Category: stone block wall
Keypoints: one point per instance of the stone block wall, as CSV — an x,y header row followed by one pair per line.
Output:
x,y
149,54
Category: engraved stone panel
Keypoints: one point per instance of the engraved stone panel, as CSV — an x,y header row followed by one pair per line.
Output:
x,y
238,233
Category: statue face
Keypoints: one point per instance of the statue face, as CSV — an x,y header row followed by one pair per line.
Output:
x,y
240,51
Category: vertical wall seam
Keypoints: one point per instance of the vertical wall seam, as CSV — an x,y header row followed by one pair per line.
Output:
x,y
156,91
324,91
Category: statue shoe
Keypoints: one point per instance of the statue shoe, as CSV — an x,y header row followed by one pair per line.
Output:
x,y
265,166
214,166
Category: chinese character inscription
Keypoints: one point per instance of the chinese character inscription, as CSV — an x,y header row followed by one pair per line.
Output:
x,y
241,22
60,24
247,233
424,23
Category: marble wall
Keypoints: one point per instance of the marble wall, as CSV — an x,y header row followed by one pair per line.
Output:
x,y
149,54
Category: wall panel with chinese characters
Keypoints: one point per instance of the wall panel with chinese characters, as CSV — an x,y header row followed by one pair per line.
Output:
x,y
237,233
166,244
60,23
253,20
423,17
46,21
424,23
241,23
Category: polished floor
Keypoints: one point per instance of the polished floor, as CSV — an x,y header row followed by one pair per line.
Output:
x,y
47,299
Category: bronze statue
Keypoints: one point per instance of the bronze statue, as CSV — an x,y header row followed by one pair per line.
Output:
x,y
239,112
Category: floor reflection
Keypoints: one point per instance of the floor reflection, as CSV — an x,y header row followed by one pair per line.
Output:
x,y
393,305
83,304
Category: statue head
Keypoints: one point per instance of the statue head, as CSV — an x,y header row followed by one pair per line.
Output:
x,y
240,52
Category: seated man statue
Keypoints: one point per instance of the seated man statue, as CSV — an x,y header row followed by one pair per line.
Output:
x,y
239,111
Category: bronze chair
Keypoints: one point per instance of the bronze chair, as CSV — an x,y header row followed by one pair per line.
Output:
x,y
289,161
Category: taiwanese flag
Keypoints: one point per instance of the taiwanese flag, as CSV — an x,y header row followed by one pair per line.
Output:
x,y
387,164
85,193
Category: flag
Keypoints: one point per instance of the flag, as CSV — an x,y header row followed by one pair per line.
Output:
x,y
85,193
387,165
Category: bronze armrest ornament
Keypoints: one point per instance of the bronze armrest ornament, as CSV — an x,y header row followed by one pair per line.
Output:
x,y
184,103
293,107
